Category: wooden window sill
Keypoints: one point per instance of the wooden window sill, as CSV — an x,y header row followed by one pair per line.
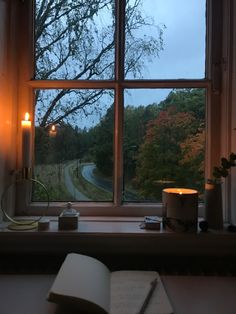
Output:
x,y
117,235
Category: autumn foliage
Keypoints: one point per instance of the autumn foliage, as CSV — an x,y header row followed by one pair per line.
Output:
x,y
172,152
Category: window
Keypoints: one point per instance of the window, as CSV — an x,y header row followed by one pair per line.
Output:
x,y
126,88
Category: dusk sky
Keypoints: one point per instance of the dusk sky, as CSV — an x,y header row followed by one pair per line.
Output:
x,y
183,55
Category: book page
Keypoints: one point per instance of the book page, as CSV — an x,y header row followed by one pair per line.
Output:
x,y
129,290
82,281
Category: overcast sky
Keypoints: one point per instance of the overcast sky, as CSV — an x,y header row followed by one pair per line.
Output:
x,y
184,45
183,54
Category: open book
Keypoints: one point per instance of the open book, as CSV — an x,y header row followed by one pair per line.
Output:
x,y
88,284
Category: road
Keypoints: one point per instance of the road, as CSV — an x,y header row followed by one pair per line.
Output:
x,y
72,189
88,174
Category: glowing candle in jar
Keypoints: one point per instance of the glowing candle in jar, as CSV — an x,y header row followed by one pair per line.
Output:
x,y
181,207
26,141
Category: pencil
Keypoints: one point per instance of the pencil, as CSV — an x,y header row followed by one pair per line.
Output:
x,y
153,285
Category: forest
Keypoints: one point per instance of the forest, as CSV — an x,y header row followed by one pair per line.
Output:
x,y
163,145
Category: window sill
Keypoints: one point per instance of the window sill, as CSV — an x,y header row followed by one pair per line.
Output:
x,y
120,235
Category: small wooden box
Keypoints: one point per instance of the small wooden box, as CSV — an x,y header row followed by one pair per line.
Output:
x,y
66,222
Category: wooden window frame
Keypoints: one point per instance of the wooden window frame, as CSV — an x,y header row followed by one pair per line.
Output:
x,y
26,86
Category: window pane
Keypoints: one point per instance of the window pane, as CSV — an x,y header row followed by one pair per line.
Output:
x,y
74,161
168,38
74,39
164,141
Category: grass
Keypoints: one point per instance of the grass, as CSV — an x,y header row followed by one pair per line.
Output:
x,y
52,176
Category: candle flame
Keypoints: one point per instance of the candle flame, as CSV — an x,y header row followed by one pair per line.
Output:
x,y
180,191
52,131
27,116
26,123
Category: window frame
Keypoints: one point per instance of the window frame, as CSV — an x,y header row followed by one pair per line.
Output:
x,y
27,85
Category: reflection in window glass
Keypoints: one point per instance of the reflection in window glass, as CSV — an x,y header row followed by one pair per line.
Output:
x,y
74,144
74,39
173,46
164,141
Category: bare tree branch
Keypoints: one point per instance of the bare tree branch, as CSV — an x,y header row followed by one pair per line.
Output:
x,y
73,43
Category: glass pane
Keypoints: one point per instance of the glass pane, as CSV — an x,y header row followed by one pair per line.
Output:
x,y
168,38
74,39
74,144
164,141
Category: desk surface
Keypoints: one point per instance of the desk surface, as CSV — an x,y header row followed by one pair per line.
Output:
x,y
26,294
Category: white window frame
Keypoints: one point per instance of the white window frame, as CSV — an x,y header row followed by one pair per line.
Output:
x,y
216,125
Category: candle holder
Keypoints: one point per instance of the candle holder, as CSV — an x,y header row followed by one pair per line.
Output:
x,y
25,175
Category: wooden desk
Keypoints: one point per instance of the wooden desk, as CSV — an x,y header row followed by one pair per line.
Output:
x,y
26,294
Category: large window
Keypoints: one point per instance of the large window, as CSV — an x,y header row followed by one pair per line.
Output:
x,y
120,95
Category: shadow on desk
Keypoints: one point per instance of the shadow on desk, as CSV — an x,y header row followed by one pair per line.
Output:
x,y
165,265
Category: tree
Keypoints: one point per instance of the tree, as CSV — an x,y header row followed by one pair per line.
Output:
x,y
59,148
65,143
187,100
193,152
162,157
135,124
103,147
72,43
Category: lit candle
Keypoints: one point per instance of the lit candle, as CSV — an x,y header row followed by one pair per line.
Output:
x,y
53,131
26,141
181,208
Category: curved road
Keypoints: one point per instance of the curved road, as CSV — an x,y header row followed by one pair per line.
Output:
x,y
72,189
88,174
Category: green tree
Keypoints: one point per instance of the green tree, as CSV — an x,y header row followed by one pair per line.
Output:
x,y
135,124
187,100
103,146
65,143
41,145
59,148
